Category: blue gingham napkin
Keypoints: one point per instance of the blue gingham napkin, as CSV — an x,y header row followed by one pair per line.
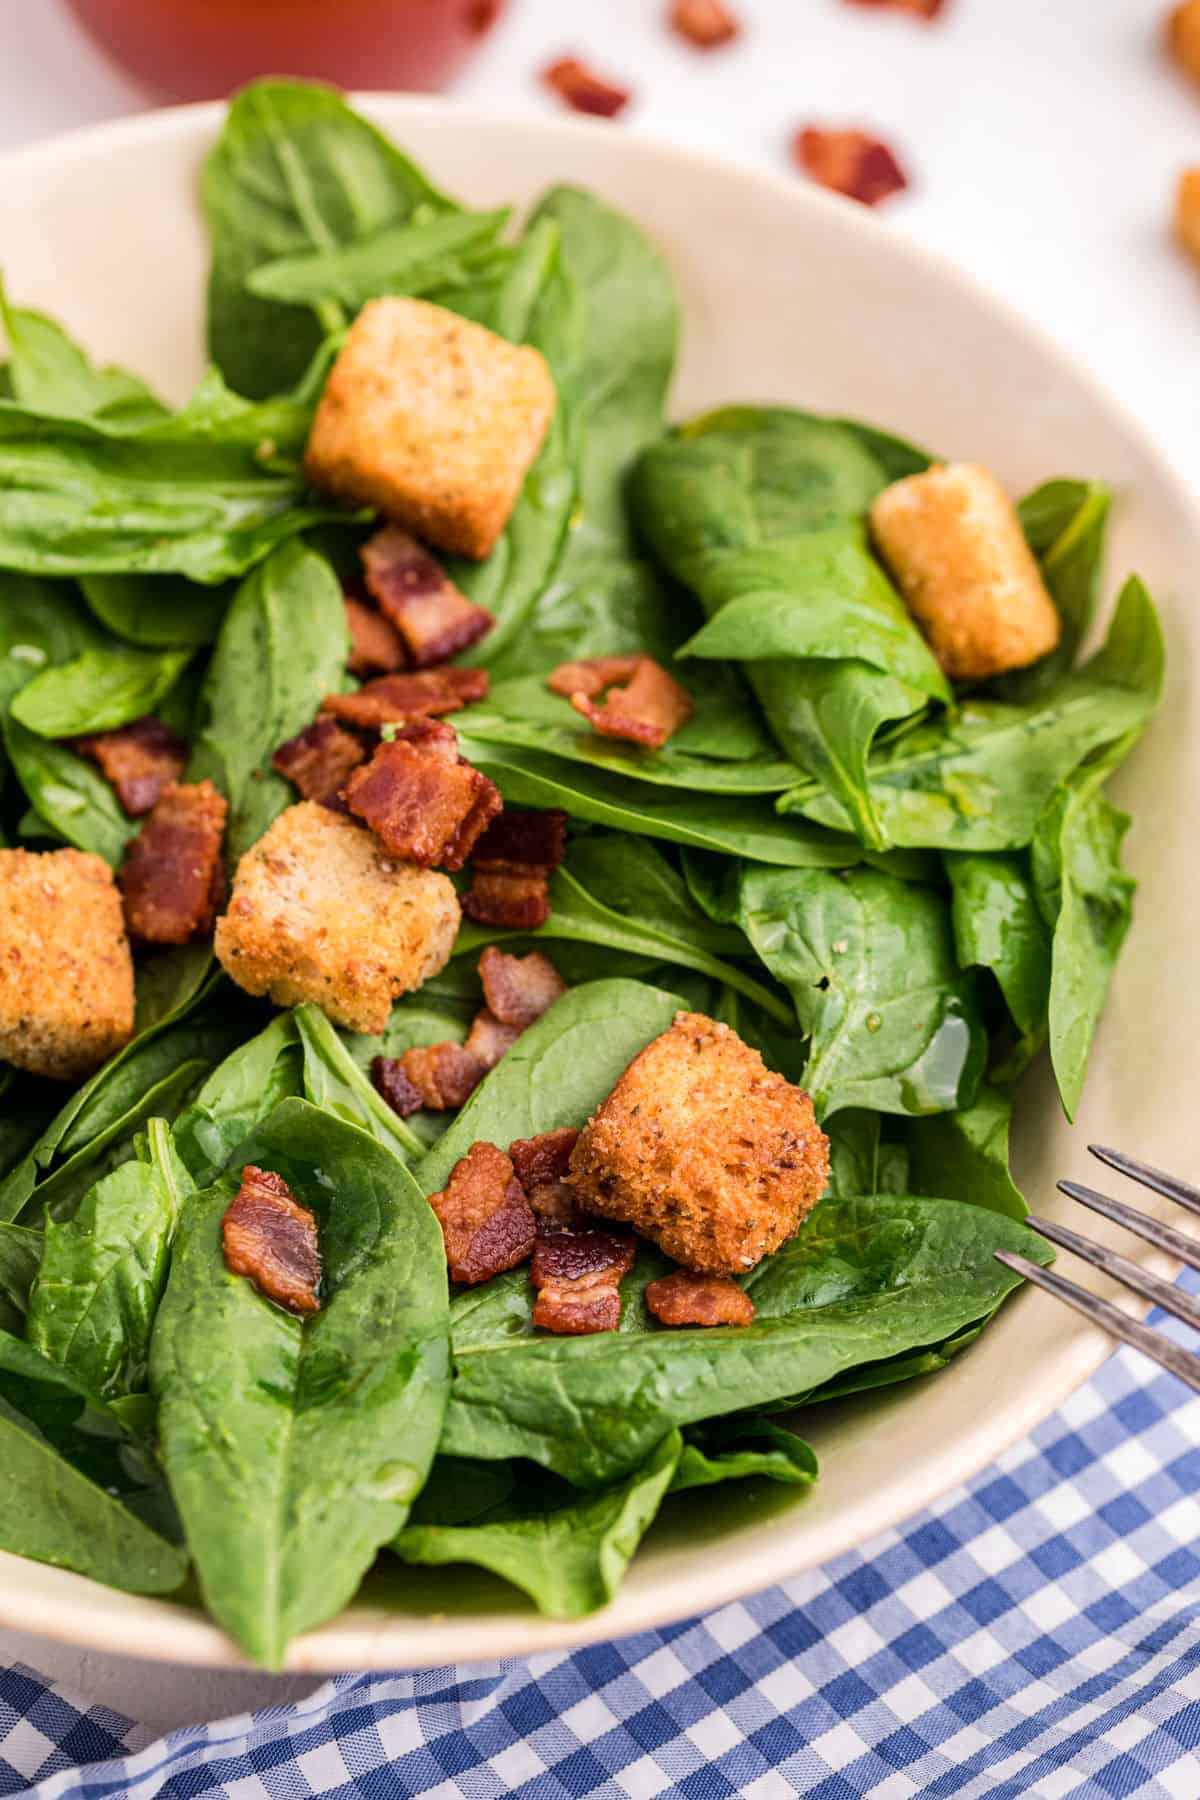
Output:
x,y
1036,1633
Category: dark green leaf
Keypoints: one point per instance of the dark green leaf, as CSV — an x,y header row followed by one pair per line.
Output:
x,y
415,257
97,691
334,1082
1065,523
71,798
239,1094
51,374
964,1155
734,1449
156,610
20,1253
997,926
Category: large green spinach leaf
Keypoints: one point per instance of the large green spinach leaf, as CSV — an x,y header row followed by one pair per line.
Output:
x,y
49,373
997,926
964,1155
334,1082
97,691
1065,523
239,1094
20,1253
156,611
440,250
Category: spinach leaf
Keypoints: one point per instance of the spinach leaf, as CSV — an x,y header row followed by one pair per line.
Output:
x,y
287,624
964,1155
97,691
979,780
893,1023
50,374
1086,899
240,1093
20,1253
77,1491
557,1072
997,926
157,611
634,879
295,171
568,1552
861,1161
334,1082
69,796
861,1279
1065,523
294,1449
732,1449
102,1272
441,250
41,623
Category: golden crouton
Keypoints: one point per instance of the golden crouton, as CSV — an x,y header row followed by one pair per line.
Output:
x,y
954,545
701,1148
1183,37
1187,213
66,975
433,419
320,911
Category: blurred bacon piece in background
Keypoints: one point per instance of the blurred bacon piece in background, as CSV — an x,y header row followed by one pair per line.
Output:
x,y
1183,37
583,89
849,162
919,9
705,23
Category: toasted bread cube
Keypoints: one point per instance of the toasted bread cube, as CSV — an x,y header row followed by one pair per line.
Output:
x,y
1187,213
432,419
953,542
320,911
1183,37
66,975
703,1149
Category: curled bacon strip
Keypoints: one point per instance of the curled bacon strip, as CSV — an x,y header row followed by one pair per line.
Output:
x,y
485,1218
704,23
541,1164
850,163
423,800
272,1240
511,866
376,647
583,89
172,878
578,1276
647,709
420,695
435,620
318,761
685,1298
518,989
137,760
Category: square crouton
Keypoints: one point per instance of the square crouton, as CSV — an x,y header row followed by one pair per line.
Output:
x,y
66,975
321,911
432,419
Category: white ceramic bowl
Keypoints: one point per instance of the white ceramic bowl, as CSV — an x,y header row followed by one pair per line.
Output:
x,y
788,296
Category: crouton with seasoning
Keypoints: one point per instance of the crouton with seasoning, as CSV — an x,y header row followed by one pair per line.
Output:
x,y
954,545
433,419
320,911
701,1148
66,975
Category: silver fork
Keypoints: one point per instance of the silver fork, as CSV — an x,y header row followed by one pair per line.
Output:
x,y
1161,1350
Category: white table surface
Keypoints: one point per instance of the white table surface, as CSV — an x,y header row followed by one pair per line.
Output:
x,y
1042,137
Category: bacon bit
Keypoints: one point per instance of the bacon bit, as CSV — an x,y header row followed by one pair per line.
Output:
x,y
394,698
1183,37
441,1076
578,1275
1187,213
435,620
518,989
397,1088
172,878
423,800
648,709
318,761
376,647
510,868
273,1241
919,9
137,760
583,89
484,1215
850,163
541,1164
685,1298
706,23
490,1038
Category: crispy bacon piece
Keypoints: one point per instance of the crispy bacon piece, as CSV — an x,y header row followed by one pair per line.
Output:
x,y
583,89
578,1276
318,761
396,1085
420,695
272,1240
423,800
850,163
435,620
484,1215
647,709
920,9
172,877
685,1298
137,760
541,1164
376,647
518,989
438,1076
490,1038
704,23
511,866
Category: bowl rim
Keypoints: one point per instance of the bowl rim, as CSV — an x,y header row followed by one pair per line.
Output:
x,y
176,1632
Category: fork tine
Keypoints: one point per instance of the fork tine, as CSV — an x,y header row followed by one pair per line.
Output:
x,y
1130,1274
1168,1185
1163,1237
1159,1349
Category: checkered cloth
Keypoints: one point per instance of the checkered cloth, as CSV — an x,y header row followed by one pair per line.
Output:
x,y
1037,1633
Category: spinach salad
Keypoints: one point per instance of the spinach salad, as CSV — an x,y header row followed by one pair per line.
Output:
x,y
896,887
